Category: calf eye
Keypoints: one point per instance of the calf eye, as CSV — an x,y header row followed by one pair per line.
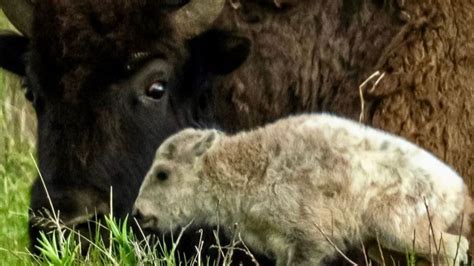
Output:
x,y
156,90
162,176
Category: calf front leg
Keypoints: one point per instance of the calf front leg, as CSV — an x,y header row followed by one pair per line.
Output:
x,y
286,258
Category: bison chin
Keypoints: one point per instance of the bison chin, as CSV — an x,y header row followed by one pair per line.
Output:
x,y
78,209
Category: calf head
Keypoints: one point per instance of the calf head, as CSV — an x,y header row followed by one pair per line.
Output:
x,y
174,191
109,81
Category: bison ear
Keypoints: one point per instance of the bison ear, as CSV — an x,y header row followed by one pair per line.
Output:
x,y
13,48
175,4
222,52
205,142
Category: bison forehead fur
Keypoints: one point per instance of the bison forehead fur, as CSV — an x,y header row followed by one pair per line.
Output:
x,y
81,39
285,184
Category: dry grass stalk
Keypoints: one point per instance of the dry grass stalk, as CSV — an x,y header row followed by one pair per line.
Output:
x,y
379,76
334,245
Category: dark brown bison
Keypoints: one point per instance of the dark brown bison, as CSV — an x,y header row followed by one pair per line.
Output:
x,y
111,79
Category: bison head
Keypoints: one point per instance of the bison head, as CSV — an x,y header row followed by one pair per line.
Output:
x,y
109,81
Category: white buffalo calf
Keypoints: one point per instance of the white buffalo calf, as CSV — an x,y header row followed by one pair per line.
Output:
x,y
295,184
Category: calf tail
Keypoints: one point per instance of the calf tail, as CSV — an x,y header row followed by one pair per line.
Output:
x,y
468,215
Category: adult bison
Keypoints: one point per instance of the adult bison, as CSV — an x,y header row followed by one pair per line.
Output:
x,y
99,122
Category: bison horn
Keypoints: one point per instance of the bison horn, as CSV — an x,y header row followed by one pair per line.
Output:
x,y
197,16
20,14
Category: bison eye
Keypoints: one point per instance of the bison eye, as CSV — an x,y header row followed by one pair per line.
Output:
x,y
162,176
156,90
28,93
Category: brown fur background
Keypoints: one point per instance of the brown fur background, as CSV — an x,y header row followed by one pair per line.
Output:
x,y
307,56
312,56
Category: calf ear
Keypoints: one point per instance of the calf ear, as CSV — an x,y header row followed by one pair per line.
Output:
x,y
205,142
222,52
12,50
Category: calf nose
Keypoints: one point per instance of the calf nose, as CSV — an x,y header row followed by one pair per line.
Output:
x,y
137,214
145,221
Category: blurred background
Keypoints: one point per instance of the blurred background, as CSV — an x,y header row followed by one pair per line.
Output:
x,y
17,168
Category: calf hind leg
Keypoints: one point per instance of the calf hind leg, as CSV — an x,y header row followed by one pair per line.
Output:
x,y
405,234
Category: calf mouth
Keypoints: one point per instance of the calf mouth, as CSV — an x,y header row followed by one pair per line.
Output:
x,y
145,221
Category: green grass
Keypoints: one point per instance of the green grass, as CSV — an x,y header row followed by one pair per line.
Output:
x,y
17,127
123,248
65,247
